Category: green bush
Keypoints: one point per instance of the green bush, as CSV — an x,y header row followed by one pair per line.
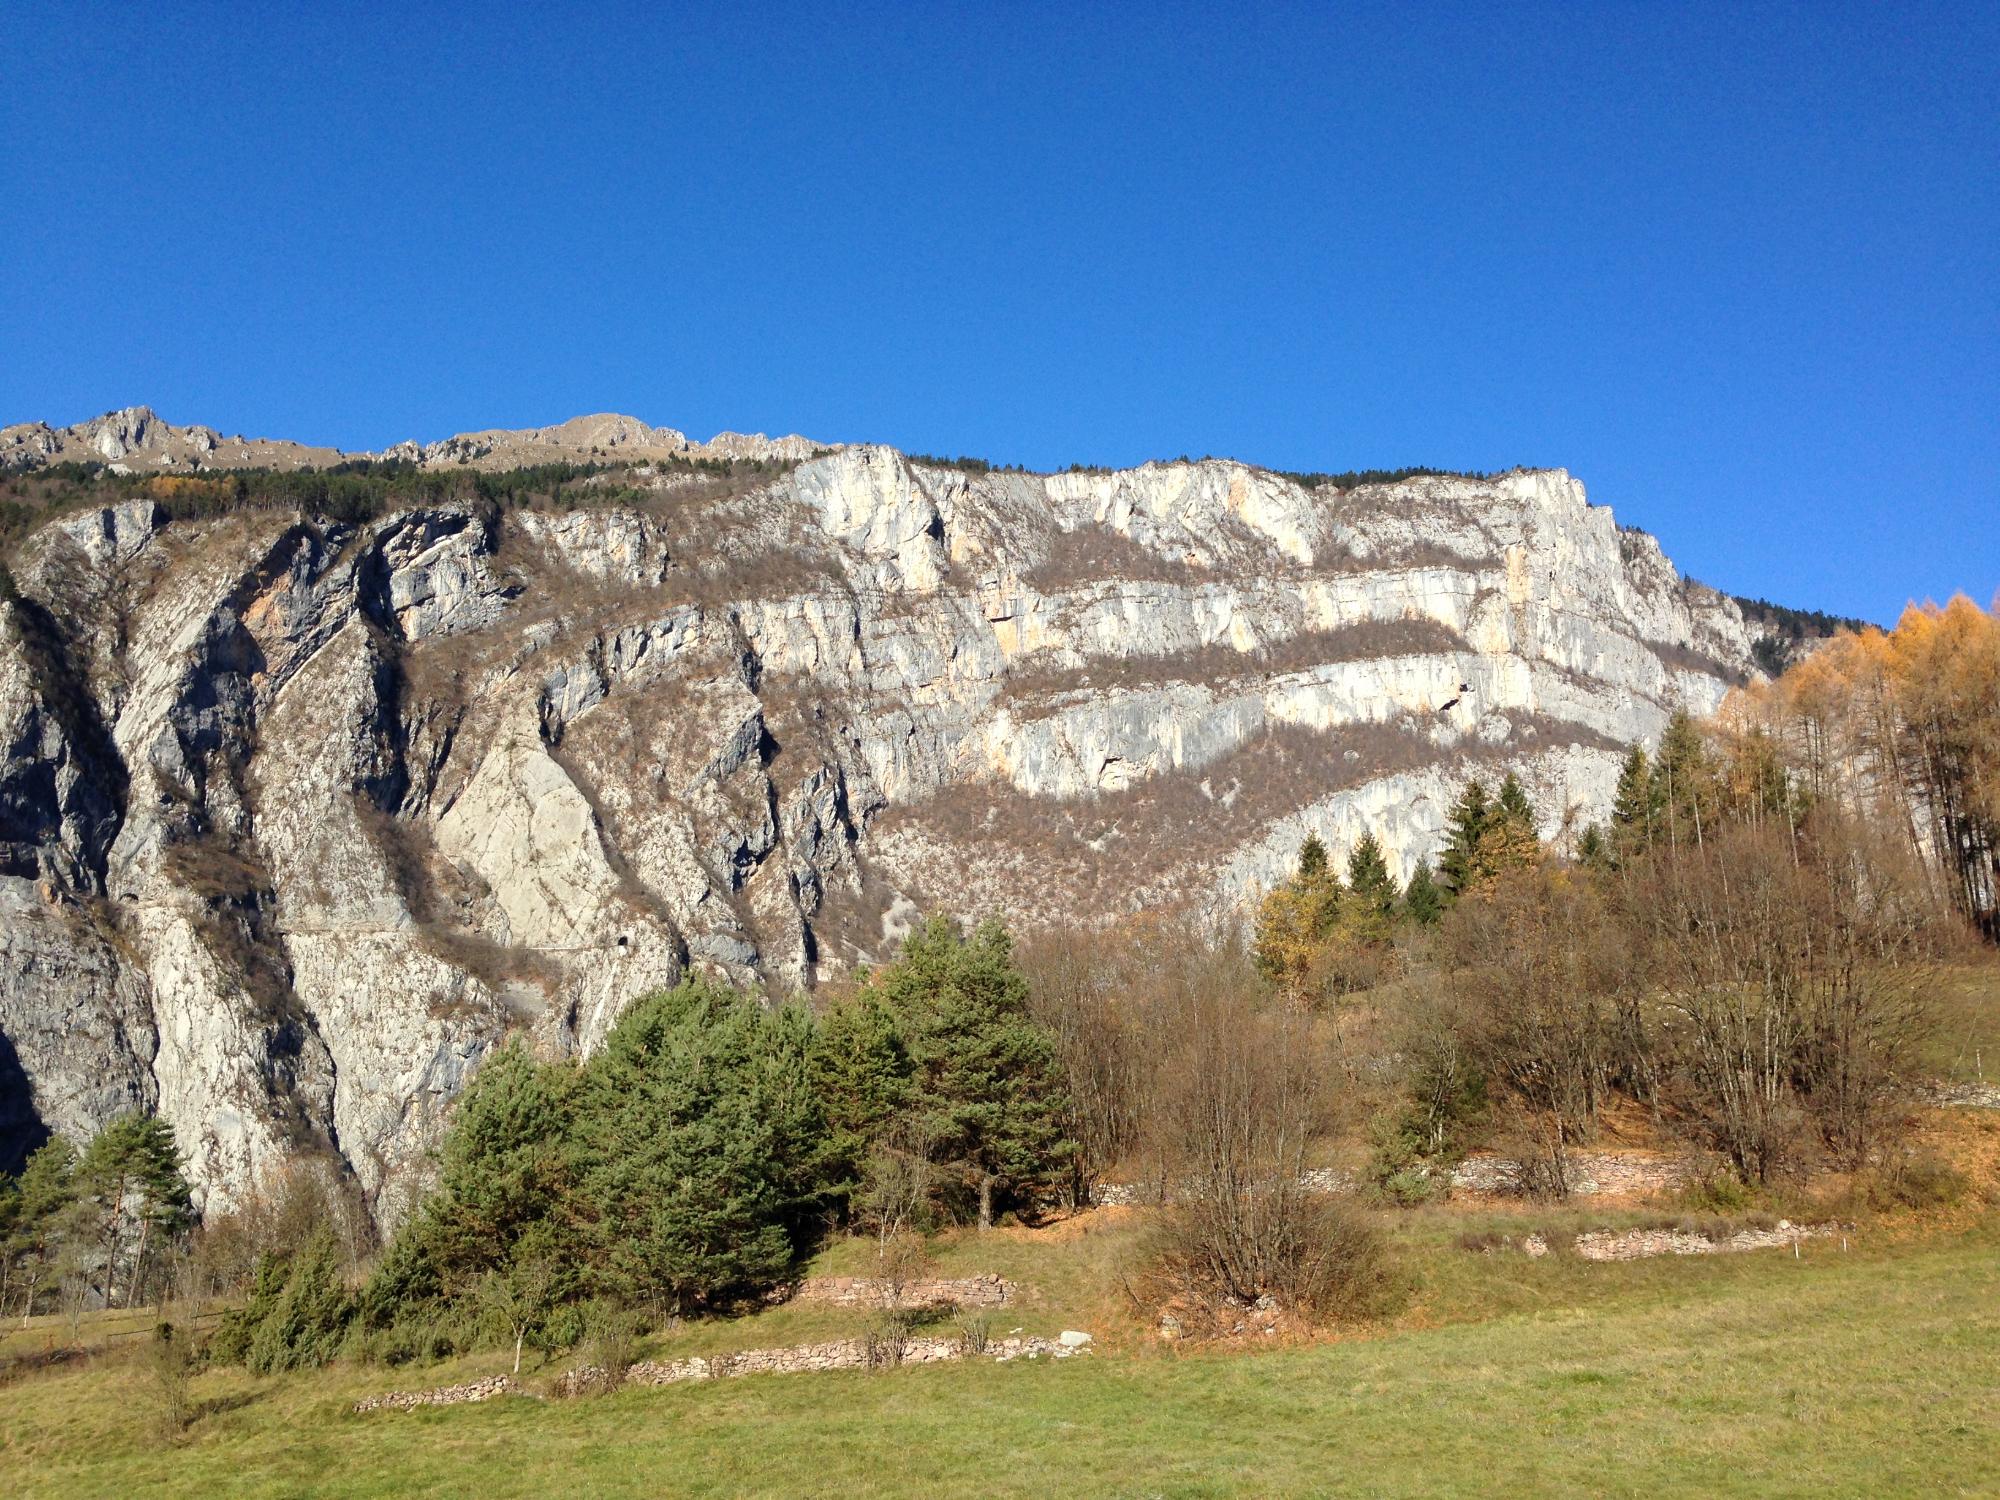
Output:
x,y
1721,1193
307,1323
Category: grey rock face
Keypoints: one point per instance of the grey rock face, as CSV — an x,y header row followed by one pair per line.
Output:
x,y
299,820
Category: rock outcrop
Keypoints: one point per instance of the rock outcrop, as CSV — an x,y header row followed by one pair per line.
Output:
x,y
299,818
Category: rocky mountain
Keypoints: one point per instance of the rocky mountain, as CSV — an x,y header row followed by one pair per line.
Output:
x,y
300,817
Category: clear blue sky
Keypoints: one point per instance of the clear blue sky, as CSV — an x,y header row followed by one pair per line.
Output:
x,y
1736,266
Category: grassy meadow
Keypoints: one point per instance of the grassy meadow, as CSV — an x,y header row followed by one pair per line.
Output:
x,y
1871,1370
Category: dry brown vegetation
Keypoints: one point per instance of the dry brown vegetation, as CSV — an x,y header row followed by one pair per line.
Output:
x,y
1117,852
1901,728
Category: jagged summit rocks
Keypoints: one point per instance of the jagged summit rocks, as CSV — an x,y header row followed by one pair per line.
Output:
x,y
134,440
299,818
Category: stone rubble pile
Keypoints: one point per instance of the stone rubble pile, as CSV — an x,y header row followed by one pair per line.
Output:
x,y
1967,1095
1640,1244
853,1354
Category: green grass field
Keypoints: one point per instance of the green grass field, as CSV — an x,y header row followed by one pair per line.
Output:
x,y
1872,1372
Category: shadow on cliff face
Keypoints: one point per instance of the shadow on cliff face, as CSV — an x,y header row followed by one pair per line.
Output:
x,y
22,1132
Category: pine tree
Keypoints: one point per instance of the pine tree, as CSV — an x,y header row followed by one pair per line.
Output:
x,y
1423,900
504,1169
862,1073
1312,858
131,1173
1461,865
44,1190
987,1090
307,1320
682,1152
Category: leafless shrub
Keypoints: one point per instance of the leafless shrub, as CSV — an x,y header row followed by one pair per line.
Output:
x,y
899,1185
290,1203
169,1366
1092,554
899,1261
1241,1094
887,1339
610,1342
1090,992
1533,969
975,1331
1794,969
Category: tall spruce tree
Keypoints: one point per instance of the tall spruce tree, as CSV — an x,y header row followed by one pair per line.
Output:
x,y
1423,900
1373,895
986,1087
1635,806
1312,858
1461,866
1513,804
1684,785
1510,841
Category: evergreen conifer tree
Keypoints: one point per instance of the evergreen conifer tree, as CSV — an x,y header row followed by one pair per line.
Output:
x,y
307,1320
131,1173
986,1086
1423,900
682,1151
1634,806
1684,783
1513,803
1510,841
1461,865
44,1190
1593,849
1373,895
504,1169
1312,858
862,1072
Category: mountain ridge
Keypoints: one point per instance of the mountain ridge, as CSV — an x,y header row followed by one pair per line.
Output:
x,y
134,439
302,813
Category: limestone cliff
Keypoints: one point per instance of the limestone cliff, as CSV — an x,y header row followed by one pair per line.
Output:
x,y
299,818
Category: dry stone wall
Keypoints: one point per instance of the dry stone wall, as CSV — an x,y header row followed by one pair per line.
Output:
x,y
1592,1174
869,1291
444,1395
